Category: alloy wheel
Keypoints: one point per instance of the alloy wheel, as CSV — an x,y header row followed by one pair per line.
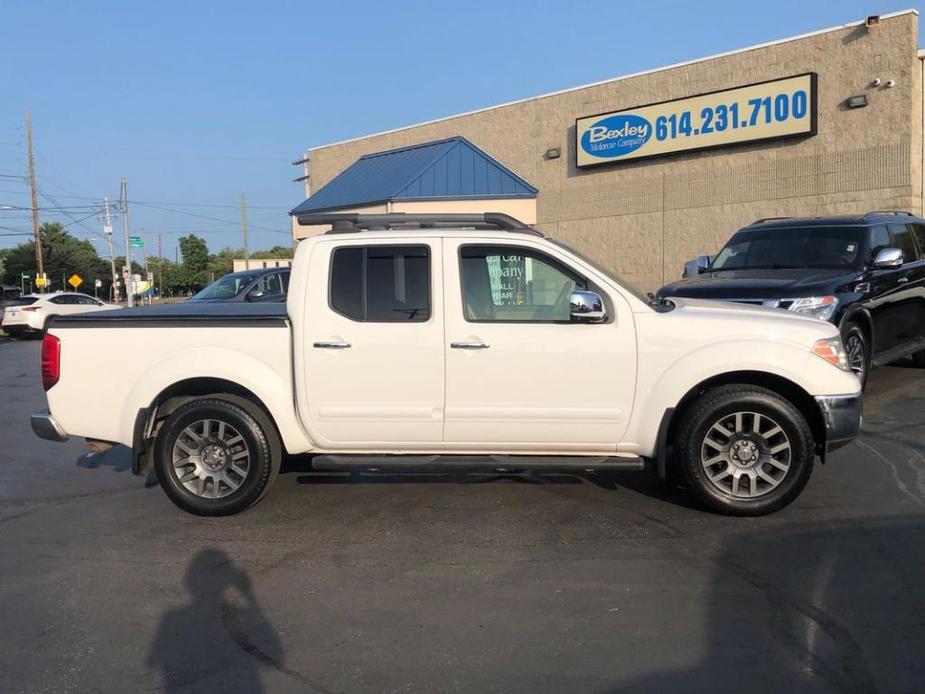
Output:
x,y
857,357
211,458
746,454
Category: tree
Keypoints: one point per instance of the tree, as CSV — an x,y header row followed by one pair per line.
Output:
x,y
195,265
273,253
223,262
63,255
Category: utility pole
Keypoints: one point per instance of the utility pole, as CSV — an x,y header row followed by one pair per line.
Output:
x,y
36,227
244,231
127,268
306,178
107,232
160,268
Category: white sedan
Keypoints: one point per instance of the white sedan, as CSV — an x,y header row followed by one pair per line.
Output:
x,y
29,314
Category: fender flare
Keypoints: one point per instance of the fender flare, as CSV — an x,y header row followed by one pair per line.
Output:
x,y
271,388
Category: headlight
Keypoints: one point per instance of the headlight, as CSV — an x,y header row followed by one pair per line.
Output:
x,y
822,307
833,352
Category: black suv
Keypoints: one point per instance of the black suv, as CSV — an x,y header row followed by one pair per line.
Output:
x,y
864,273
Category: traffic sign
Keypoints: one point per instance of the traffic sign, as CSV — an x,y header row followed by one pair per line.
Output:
x,y
75,280
40,281
25,275
136,242
97,283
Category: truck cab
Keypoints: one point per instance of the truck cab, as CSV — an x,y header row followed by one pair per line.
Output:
x,y
460,342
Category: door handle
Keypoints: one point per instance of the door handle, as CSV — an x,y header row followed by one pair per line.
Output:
x,y
902,280
469,345
338,344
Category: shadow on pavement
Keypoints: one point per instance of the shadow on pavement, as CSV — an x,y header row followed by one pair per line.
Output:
x,y
828,607
119,458
220,639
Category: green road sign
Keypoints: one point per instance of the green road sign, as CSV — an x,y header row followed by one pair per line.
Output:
x,y
136,242
26,275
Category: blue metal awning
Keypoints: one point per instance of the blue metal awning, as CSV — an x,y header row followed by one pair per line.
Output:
x,y
451,169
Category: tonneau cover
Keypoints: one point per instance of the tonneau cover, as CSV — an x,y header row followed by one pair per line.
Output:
x,y
181,313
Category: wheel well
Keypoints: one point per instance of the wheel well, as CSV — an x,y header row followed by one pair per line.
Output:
x,y
862,320
787,389
182,392
172,397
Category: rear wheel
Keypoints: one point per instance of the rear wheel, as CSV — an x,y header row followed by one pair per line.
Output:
x,y
213,458
744,450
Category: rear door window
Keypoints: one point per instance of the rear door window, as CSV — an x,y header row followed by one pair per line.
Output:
x,y
63,300
381,284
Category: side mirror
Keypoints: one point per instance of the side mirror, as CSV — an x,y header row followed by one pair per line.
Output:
x,y
697,266
587,307
888,258
254,294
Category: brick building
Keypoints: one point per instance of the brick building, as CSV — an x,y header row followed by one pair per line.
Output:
x,y
852,142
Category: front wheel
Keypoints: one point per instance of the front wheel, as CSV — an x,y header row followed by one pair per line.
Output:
x,y
213,458
858,351
744,450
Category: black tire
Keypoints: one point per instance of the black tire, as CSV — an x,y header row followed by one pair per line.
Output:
x,y
257,435
698,421
857,347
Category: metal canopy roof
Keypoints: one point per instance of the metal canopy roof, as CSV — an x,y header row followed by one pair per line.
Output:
x,y
451,169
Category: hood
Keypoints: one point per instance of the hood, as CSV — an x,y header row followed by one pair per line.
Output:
x,y
746,312
790,283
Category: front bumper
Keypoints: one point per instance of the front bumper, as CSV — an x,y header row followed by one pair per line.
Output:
x,y
46,427
842,415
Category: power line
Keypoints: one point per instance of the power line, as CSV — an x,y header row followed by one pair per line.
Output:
x,y
109,152
211,219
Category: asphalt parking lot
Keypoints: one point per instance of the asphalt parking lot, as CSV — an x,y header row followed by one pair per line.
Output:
x,y
375,583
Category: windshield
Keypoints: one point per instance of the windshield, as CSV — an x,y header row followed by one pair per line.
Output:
x,y
604,271
836,248
227,287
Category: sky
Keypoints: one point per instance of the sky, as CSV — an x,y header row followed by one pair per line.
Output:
x,y
197,102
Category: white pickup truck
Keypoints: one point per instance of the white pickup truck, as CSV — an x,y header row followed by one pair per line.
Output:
x,y
453,342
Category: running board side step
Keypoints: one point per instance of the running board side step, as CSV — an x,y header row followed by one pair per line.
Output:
x,y
472,463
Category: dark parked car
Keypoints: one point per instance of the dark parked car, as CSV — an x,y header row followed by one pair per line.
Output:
x,y
864,273
270,284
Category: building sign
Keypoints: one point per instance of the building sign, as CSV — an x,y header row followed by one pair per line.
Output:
x,y
756,112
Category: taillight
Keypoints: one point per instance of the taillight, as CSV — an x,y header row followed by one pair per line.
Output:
x,y
51,360
31,308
